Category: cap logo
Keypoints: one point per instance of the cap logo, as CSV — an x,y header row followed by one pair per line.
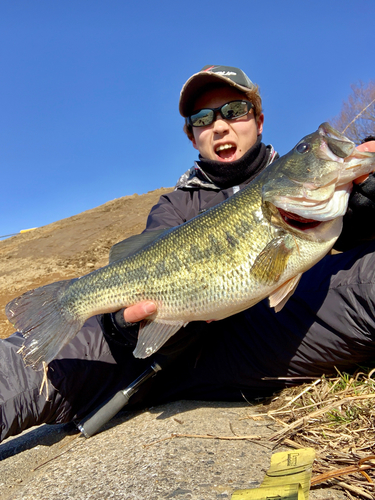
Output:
x,y
225,73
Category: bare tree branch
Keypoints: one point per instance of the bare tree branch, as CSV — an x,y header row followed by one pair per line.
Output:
x,y
357,116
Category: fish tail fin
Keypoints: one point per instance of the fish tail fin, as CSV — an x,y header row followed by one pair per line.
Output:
x,y
45,325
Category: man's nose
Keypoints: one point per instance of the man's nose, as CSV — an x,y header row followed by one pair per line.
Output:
x,y
220,125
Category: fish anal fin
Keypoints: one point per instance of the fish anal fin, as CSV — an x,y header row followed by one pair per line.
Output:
x,y
281,295
272,260
153,334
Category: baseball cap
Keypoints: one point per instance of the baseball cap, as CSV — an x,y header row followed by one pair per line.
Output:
x,y
209,74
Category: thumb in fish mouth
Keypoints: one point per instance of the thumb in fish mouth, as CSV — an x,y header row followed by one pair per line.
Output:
x,y
367,147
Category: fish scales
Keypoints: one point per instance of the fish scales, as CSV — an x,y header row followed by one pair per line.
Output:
x,y
178,281
254,245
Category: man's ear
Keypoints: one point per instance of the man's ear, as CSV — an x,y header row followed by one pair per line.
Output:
x,y
260,121
194,142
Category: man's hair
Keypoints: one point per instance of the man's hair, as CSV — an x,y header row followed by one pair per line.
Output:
x,y
251,95
368,138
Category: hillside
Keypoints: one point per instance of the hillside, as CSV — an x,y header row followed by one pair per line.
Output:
x,y
68,248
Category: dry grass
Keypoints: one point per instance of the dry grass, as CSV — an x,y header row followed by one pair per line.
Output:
x,y
336,417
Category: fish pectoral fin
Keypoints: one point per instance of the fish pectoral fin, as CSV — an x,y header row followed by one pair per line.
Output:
x,y
281,295
272,260
131,245
153,334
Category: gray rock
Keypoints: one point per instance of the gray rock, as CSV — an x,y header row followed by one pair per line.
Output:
x,y
131,459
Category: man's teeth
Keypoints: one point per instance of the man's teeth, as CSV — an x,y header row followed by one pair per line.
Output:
x,y
224,146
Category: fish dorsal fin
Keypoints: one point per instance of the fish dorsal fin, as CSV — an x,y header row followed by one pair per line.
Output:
x,y
131,245
280,296
153,334
272,260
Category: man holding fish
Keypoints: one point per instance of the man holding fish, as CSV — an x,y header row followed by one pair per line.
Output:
x,y
327,322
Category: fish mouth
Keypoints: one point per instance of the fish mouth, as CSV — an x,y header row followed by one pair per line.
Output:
x,y
296,221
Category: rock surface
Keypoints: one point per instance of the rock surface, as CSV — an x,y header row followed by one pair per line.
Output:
x,y
135,457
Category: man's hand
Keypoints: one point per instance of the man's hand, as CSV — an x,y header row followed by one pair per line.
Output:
x,y
175,345
366,146
358,222
139,311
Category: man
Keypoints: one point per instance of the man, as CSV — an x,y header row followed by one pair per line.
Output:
x,y
329,321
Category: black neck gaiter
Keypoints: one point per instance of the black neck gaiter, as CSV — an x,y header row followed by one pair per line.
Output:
x,y
234,173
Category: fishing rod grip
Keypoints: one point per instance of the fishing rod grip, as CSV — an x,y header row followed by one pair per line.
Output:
x,y
91,424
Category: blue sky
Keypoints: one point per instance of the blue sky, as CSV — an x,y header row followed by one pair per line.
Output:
x,y
89,88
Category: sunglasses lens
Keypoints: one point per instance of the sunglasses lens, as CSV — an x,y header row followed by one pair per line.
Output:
x,y
229,111
202,118
235,109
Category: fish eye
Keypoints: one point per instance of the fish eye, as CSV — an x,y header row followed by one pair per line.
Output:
x,y
303,147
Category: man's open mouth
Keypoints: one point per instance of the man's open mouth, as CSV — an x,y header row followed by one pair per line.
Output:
x,y
297,221
226,151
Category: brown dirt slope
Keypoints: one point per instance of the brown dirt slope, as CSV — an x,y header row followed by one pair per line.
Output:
x,y
68,248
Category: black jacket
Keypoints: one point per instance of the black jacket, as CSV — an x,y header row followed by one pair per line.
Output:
x,y
194,193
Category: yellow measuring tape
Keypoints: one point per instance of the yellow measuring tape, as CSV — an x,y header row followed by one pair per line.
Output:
x,y
288,478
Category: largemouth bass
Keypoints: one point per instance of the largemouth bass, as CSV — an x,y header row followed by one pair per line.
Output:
x,y
254,245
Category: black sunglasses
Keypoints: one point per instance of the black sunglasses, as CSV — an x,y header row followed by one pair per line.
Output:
x,y
229,111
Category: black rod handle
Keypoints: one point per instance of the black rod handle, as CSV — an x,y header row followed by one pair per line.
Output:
x,y
93,422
